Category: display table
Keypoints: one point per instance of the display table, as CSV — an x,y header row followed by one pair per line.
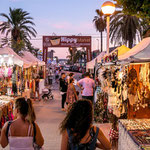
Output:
x,y
134,134
6,109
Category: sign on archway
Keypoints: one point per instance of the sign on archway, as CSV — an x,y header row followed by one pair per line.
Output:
x,y
67,41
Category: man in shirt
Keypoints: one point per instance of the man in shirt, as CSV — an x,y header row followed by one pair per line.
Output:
x,y
63,89
87,85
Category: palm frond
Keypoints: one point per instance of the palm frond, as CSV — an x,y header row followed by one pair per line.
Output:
x,y
19,24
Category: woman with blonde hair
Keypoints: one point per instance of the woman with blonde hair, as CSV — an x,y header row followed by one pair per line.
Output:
x,y
31,114
19,133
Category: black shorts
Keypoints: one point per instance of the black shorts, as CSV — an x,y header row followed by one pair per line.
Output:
x,y
88,98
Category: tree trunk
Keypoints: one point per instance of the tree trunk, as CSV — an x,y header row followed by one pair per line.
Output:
x,y
101,41
130,43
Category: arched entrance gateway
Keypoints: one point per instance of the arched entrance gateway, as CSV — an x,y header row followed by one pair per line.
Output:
x,y
66,41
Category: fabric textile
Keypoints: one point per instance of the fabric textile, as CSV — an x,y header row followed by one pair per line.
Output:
x,y
71,98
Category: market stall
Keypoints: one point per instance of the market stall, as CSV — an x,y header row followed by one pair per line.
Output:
x,y
126,81
125,93
38,69
90,65
11,71
134,134
111,92
138,79
6,109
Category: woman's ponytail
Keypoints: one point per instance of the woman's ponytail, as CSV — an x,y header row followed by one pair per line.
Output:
x,y
31,113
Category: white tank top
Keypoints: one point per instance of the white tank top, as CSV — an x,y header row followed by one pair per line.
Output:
x,y
21,143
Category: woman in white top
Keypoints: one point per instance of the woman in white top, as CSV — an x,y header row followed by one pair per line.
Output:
x,y
20,132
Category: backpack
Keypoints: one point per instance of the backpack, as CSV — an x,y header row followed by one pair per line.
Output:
x,y
7,129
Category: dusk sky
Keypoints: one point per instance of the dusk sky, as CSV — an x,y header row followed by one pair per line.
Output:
x,y
60,17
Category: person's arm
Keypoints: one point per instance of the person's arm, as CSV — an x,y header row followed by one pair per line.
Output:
x,y
3,139
64,141
79,84
39,138
75,93
104,143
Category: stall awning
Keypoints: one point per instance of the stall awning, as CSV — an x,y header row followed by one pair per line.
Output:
x,y
30,57
139,53
90,65
7,52
121,50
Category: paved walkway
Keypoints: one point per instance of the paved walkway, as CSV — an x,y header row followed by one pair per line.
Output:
x,y
49,116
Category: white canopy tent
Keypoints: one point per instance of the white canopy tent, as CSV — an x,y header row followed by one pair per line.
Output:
x,y
30,57
10,57
91,64
139,53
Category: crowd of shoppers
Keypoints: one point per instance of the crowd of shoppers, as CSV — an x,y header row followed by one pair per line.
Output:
x,y
77,129
69,92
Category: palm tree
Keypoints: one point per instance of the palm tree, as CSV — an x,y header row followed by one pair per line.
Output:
x,y
72,51
19,25
6,42
126,28
79,56
100,24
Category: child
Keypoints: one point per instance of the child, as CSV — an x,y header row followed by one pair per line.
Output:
x,y
114,133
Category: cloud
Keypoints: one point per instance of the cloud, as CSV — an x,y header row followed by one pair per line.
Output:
x,y
62,25
73,27
48,26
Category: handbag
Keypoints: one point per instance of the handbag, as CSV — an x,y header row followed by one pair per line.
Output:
x,y
35,146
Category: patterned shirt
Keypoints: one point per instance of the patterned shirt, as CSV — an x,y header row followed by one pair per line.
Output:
x,y
88,85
